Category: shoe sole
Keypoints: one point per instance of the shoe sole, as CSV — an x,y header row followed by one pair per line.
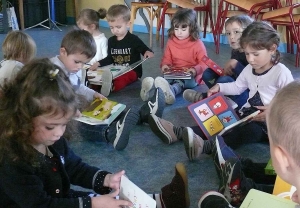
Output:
x,y
188,143
123,130
147,85
180,168
215,193
106,83
158,129
165,86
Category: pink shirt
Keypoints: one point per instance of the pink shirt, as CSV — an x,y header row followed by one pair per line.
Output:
x,y
185,53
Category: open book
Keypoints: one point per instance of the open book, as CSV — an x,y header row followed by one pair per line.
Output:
x,y
95,77
131,192
101,112
212,65
177,73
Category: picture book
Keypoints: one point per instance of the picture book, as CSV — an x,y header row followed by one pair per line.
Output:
x,y
101,112
212,65
283,189
177,73
269,169
259,199
95,77
131,192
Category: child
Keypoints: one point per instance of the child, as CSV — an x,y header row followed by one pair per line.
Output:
x,y
77,48
264,76
18,48
88,20
283,130
234,27
36,165
124,48
183,49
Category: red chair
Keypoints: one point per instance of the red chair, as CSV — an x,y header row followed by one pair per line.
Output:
x,y
199,7
250,7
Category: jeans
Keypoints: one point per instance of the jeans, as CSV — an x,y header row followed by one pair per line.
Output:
x,y
95,133
188,83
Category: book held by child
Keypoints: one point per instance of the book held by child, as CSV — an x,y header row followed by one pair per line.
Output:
x,y
177,73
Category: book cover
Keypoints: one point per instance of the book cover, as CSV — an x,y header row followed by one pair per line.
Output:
x,y
177,73
212,65
283,189
131,192
259,199
269,169
101,112
213,114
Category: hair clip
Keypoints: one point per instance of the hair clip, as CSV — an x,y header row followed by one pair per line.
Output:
x,y
53,73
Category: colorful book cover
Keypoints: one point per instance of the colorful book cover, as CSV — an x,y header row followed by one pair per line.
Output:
x,y
177,73
283,189
101,112
212,65
213,114
259,199
131,192
269,169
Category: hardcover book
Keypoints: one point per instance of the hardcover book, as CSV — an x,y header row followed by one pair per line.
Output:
x,y
177,73
212,65
101,112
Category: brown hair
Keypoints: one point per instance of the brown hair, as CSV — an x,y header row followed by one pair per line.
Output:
x,y
243,20
90,16
116,11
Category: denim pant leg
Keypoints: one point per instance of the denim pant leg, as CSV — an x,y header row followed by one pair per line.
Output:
x,y
95,133
238,69
210,77
190,83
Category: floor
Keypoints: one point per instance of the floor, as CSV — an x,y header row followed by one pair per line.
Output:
x,y
148,162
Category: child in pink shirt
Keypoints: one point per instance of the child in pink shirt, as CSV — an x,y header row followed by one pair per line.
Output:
x,y
183,49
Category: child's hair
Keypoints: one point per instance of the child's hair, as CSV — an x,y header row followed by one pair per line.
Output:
x,y
18,45
283,119
260,35
79,41
118,11
40,88
242,19
185,18
90,16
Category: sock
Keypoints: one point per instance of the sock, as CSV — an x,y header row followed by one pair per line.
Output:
x,y
178,132
207,146
156,197
177,87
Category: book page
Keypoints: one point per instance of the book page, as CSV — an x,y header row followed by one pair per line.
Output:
x,y
131,192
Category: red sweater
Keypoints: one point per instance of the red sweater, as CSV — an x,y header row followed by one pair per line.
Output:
x,y
185,53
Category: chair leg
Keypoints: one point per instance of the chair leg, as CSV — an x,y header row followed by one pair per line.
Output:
x,y
162,33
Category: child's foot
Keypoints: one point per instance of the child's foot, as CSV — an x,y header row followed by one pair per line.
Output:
x,y
155,105
107,78
118,132
192,96
233,182
166,88
193,143
175,194
147,85
163,129
213,199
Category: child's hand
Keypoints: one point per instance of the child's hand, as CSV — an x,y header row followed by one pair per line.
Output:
x,y
113,180
148,54
165,68
109,201
295,197
99,96
262,115
192,71
94,66
213,90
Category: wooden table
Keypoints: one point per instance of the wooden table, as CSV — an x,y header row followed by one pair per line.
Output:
x,y
153,10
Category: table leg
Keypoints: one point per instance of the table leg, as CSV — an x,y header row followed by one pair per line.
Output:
x,y
21,14
132,17
157,22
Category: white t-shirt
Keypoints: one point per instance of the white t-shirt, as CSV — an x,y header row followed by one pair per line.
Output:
x,y
9,69
101,43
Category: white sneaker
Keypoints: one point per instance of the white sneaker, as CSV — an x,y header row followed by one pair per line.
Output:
x,y
106,83
166,88
147,85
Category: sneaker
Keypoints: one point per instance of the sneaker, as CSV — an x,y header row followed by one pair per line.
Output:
x,y
193,143
175,194
166,88
192,96
155,105
220,153
232,182
119,131
213,199
147,85
107,78
162,128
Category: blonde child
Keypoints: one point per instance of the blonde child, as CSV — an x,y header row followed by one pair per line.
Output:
x,y
18,48
124,48
88,20
37,166
183,49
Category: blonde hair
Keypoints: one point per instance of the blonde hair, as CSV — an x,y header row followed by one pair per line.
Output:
x,y
116,11
90,16
18,45
283,119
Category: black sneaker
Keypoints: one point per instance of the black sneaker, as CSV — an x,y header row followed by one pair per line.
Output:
x,y
233,181
175,194
119,131
155,105
213,199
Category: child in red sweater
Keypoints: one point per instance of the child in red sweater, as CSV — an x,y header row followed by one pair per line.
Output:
x,y
183,49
